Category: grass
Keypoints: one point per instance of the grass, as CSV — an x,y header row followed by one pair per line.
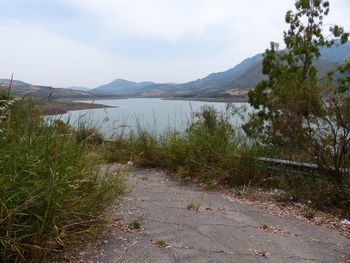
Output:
x,y
135,224
309,213
52,192
159,243
193,206
242,191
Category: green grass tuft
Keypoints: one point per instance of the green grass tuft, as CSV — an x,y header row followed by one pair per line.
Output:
x,y
193,206
135,224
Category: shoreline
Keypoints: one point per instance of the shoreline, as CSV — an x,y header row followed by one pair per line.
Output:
x,y
237,99
50,108
226,100
57,107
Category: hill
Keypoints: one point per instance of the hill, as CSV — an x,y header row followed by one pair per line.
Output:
x,y
243,76
337,53
80,88
21,88
121,87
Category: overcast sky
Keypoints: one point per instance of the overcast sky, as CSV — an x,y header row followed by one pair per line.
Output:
x,y
65,43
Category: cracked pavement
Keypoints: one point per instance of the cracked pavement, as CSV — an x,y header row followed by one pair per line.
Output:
x,y
221,231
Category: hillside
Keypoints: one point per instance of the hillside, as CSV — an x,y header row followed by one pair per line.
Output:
x,y
121,87
243,76
337,53
20,88
79,88
222,80
254,74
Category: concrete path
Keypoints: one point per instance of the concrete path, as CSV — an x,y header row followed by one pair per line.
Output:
x,y
221,231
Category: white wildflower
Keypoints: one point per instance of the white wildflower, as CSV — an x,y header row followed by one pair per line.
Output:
x,y
5,108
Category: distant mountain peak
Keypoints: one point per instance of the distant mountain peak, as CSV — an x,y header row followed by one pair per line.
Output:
x,y
121,87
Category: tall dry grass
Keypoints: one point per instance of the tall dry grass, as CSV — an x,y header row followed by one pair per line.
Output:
x,y
52,192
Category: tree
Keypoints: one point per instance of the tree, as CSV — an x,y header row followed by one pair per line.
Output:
x,y
296,109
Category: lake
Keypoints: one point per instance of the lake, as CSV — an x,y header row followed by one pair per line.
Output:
x,y
155,115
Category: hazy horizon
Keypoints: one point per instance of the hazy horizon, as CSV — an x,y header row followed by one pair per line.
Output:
x,y
88,43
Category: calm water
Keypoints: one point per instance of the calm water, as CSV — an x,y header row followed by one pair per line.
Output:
x,y
156,115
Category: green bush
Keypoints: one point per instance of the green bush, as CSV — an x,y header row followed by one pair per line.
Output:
x,y
52,193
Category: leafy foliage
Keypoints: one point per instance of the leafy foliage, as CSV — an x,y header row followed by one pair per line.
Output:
x,y
296,111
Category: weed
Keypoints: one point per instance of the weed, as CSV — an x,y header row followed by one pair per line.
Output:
x,y
309,213
159,243
242,191
262,253
264,227
135,224
193,206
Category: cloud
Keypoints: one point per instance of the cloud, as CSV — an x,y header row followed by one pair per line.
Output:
x,y
90,42
218,33
40,56
170,20
174,20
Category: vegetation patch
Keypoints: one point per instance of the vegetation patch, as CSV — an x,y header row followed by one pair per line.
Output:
x,y
52,191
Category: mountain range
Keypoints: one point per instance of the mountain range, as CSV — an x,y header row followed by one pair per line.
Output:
x,y
243,76
233,82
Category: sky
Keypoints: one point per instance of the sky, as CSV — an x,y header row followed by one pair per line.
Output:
x,y
65,43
